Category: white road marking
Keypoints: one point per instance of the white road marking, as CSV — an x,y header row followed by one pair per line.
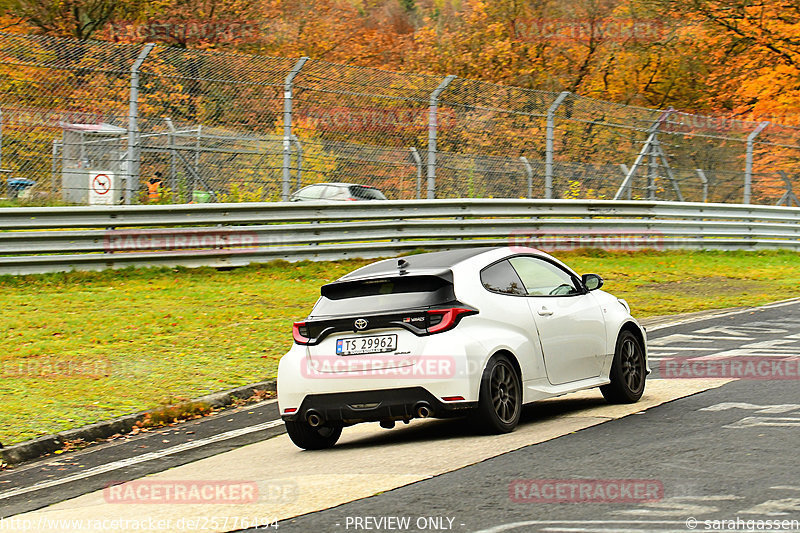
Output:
x,y
555,523
791,301
679,348
149,456
775,421
774,409
682,338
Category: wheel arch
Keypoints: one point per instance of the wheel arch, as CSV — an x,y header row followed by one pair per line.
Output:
x,y
511,357
636,330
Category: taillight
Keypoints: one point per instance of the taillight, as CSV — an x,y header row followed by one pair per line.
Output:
x,y
300,333
444,319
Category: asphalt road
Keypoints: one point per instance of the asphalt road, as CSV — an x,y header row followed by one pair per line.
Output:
x,y
704,463
735,459
721,455
42,482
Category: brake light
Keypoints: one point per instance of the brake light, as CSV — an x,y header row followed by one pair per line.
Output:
x,y
444,319
300,333
453,398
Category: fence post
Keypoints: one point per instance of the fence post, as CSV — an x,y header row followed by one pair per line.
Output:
x,y
653,174
432,132
173,170
132,156
287,128
529,174
648,144
3,187
54,167
704,181
549,138
624,169
748,166
418,162
198,144
299,177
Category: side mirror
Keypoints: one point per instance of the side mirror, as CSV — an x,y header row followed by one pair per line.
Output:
x,y
592,281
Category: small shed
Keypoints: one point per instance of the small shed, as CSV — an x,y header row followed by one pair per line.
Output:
x,y
93,163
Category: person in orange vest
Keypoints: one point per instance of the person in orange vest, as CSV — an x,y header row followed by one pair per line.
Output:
x,y
154,188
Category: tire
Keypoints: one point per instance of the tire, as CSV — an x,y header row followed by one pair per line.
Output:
x,y
308,438
628,371
500,400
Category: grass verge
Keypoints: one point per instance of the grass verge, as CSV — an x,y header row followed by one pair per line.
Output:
x,y
83,347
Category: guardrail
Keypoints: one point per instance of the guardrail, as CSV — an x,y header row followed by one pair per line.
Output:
x,y
53,239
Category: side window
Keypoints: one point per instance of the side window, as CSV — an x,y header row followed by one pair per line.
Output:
x,y
336,193
502,278
541,278
312,192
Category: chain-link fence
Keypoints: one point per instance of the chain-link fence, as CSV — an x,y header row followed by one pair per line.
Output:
x,y
102,123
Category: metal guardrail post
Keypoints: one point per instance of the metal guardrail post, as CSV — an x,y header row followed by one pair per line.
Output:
x,y
748,166
651,137
132,157
529,174
287,127
433,128
550,139
418,162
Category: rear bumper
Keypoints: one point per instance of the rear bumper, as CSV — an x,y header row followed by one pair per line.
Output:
x,y
376,405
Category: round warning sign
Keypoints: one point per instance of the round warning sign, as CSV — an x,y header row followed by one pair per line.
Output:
x,y
101,184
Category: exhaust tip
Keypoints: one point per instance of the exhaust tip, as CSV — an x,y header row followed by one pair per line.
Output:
x,y
314,419
423,410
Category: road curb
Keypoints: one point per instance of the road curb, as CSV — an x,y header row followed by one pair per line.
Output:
x,y
46,444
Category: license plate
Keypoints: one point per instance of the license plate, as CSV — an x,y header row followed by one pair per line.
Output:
x,y
370,344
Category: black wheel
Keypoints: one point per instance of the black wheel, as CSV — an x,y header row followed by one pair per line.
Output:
x,y
500,400
308,438
627,371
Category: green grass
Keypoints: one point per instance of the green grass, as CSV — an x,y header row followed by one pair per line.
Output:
x,y
83,347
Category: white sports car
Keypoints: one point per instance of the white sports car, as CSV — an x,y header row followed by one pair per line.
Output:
x,y
476,332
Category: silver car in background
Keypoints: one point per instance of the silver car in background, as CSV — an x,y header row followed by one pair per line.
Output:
x,y
336,192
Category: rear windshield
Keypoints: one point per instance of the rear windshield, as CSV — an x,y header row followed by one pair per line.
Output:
x,y
383,295
366,193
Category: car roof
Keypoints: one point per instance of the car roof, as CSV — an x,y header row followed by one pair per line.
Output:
x,y
340,184
431,262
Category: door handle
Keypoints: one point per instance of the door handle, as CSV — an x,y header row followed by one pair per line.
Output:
x,y
544,311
